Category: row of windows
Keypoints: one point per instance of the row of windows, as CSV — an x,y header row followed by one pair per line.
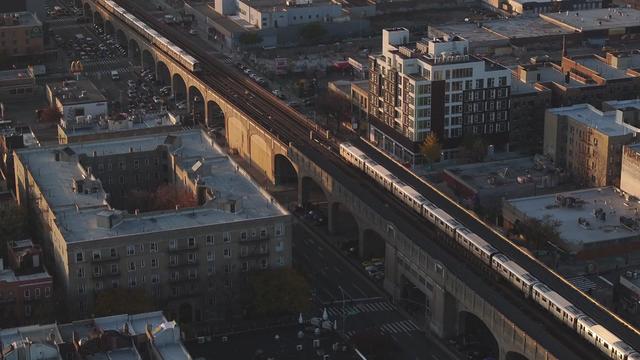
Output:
x,y
191,243
37,292
21,91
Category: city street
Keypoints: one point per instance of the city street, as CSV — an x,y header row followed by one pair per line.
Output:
x,y
366,306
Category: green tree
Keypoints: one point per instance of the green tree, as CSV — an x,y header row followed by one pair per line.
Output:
x,y
431,148
313,32
278,292
122,301
250,38
13,225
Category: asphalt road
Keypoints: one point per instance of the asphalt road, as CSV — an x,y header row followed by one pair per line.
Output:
x,y
366,306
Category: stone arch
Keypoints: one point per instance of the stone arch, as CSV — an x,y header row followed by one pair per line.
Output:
x,y
87,10
196,106
179,87
477,337
284,172
344,225
122,40
371,244
260,156
162,73
133,50
314,199
237,134
148,62
108,28
512,355
97,18
215,116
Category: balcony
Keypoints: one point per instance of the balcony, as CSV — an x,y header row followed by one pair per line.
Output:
x,y
106,274
181,248
180,264
103,259
254,239
253,253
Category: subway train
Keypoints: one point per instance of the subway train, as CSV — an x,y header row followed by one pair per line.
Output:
x,y
152,36
514,274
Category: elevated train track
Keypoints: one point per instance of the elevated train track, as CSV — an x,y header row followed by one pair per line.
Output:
x,y
293,128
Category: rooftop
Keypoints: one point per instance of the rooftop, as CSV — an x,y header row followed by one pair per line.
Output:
x,y
595,19
76,92
77,213
280,5
86,126
23,18
9,276
502,174
607,122
584,204
118,330
18,74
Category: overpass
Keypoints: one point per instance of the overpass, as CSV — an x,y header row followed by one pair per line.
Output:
x,y
455,296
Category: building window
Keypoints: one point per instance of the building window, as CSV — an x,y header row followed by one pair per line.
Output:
x,y
113,252
97,270
281,260
211,269
191,258
99,285
36,292
115,284
132,282
209,239
132,266
154,263
279,229
131,250
27,294
114,268
245,266
27,310
79,257
173,260
153,247
172,244
96,254
155,278
47,292
121,165
263,233
136,164
264,263
210,255
226,237
243,236
141,263
80,272
191,242
81,289
280,246
175,276
227,268
227,252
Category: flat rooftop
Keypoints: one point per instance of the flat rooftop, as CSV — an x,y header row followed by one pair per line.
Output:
x,y
605,70
588,201
18,74
604,122
77,213
495,30
9,276
503,173
595,19
76,92
117,126
23,18
279,5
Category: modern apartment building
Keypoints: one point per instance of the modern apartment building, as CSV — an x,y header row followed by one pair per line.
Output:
x,y
20,34
185,258
588,142
434,85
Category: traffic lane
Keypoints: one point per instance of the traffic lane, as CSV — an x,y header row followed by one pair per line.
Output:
x,y
321,260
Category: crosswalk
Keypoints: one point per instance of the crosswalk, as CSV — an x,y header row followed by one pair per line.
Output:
x,y
398,327
336,310
583,283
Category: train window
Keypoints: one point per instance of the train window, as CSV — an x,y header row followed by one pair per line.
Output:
x,y
590,334
606,346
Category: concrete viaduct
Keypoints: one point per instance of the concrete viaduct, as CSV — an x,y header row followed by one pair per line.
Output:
x,y
449,305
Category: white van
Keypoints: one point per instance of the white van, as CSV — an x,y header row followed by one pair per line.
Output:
x,y
115,75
